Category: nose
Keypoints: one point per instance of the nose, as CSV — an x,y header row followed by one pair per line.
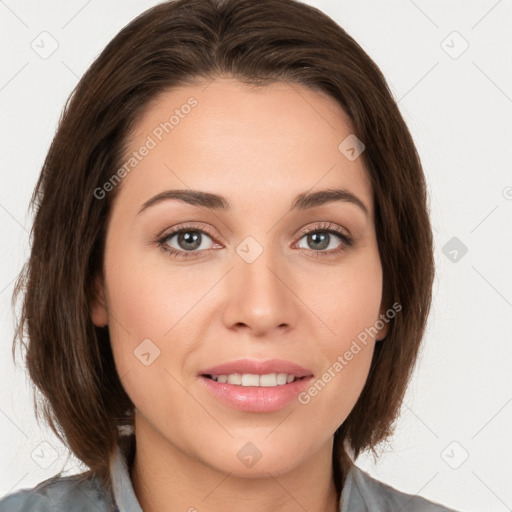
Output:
x,y
259,296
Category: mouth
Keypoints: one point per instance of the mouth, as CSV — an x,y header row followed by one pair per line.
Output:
x,y
267,380
251,372
256,386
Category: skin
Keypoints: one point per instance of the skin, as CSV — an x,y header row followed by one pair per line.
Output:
x,y
260,148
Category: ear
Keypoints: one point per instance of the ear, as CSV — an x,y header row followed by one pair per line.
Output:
x,y
382,324
99,311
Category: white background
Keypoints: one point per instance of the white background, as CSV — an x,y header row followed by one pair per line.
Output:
x,y
459,111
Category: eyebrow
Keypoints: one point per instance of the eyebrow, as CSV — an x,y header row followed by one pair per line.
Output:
x,y
303,201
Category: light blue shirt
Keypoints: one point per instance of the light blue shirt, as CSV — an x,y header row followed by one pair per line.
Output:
x,y
360,493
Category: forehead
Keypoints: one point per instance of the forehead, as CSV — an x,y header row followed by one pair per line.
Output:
x,y
242,141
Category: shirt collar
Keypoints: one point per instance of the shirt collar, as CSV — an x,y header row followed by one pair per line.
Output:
x,y
122,488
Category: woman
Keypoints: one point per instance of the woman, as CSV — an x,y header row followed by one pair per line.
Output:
x,y
231,267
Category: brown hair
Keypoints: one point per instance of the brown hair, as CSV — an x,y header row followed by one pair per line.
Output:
x,y
174,43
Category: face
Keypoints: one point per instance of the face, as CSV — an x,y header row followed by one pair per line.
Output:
x,y
274,277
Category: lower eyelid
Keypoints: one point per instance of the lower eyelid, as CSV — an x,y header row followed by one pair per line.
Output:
x,y
164,241
345,242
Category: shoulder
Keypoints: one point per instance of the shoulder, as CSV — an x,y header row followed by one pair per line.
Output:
x,y
363,492
80,493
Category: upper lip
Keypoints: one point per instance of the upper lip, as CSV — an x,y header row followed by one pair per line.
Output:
x,y
257,368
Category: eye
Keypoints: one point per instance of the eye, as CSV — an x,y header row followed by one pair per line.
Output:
x,y
329,239
186,242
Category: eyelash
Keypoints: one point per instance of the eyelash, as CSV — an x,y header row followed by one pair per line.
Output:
x,y
346,240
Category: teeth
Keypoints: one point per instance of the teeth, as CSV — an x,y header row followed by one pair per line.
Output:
x,y
250,379
235,378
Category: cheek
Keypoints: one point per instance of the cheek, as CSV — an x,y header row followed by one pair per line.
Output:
x,y
149,296
153,308
346,298
346,359
145,309
348,302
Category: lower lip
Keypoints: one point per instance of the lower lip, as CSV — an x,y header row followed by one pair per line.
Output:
x,y
256,398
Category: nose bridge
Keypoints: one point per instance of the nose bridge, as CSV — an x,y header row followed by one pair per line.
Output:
x,y
257,295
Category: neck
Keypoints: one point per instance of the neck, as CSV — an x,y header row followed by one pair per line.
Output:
x,y
164,477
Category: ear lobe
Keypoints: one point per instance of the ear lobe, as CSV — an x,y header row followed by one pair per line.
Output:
x,y
383,333
383,329
99,312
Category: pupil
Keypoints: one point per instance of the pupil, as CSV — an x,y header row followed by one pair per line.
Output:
x,y
320,241
189,241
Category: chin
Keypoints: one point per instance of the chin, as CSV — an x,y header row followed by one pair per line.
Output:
x,y
256,458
